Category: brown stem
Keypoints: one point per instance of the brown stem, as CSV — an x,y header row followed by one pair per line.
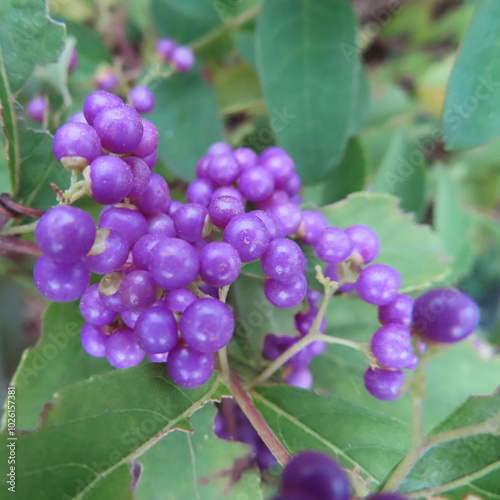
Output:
x,y
13,209
13,244
259,424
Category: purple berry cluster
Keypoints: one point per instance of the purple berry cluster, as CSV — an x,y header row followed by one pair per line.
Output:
x,y
313,475
180,57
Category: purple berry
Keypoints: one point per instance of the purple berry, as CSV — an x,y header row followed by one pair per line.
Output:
x,y
174,263
391,345
289,215
142,99
273,225
256,183
130,318
207,325
292,187
156,198
174,206
109,252
129,222
378,284
140,176
223,169
445,315
304,320
142,249
200,191
313,224
365,242
182,58
223,209
280,165
384,384
61,281
300,377
65,234
333,245
248,234
397,311
228,191
158,358
161,223
76,139
286,294
220,264
202,167
314,298
97,102
149,140
282,260
156,330
120,129
94,340
219,148
138,291
122,350
178,300
189,368
246,158
93,310
276,199
150,160
332,272
165,47
317,476
190,221
77,117
73,60
37,108
108,179
106,80
109,291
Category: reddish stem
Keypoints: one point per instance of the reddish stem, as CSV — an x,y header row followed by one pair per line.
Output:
x,y
14,244
14,210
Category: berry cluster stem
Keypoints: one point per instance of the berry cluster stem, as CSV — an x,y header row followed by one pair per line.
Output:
x,y
23,229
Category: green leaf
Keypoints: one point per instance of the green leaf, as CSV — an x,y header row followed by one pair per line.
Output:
x,y
465,449
339,370
346,178
94,427
356,435
470,117
58,360
188,121
453,224
402,174
361,102
197,465
413,249
305,57
244,40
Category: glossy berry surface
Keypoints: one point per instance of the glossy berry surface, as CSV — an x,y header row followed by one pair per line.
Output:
x,y
282,260
317,476
248,235
37,108
289,216
365,242
94,340
220,264
65,233
76,139
223,169
138,290
174,263
300,377
92,308
128,222
273,225
391,345
279,164
108,179
120,129
333,245
189,221
207,325
165,47
397,311
97,102
286,294
256,183
142,99
182,58
200,191
222,209
378,284
143,248
156,198
140,175
122,351
161,223
156,330
189,368
445,315
313,224
61,281
384,384
149,140
178,300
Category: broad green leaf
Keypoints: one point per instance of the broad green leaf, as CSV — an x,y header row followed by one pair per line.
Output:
x,y
361,102
346,178
238,89
188,121
357,436
339,370
95,426
453,224
402,174
466,448
472,98
197,465
256,316
413,249
306,59
244,40
58,360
